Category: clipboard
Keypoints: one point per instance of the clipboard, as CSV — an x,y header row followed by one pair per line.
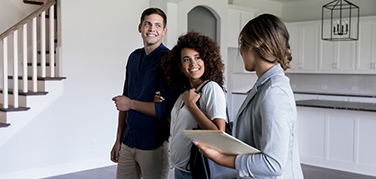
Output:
x,y
221,141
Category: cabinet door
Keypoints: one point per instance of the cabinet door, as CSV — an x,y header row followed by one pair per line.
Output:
x,y
310,47
295,47
328,55
304,42
233,28
237,101
346,56
366,58
337,56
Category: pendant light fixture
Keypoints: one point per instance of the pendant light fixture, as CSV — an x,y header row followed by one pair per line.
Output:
x,y
340,21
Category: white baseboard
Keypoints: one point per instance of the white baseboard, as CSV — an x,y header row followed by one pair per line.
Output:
x,y
58,169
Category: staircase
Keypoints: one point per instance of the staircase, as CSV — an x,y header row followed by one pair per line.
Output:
x,y
30,76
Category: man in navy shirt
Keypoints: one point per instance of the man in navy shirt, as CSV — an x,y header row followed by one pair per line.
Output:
x,y
141,144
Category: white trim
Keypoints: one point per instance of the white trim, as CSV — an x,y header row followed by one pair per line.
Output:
x,y
58,169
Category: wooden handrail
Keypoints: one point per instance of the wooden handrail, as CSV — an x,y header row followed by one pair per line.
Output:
x,y
28,18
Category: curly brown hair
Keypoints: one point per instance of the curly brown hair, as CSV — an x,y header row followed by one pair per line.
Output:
x,y
209,53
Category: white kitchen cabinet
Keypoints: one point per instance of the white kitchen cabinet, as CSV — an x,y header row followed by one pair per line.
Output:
x,y
238,17
304,44
337,139
337,56
366,58
313,55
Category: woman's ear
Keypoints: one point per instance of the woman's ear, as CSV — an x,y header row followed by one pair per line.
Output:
x,y
179,65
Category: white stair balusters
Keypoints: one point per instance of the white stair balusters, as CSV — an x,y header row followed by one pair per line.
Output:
x,y
23,50
15,69
34,58
52,42
24,43
43,43
5,72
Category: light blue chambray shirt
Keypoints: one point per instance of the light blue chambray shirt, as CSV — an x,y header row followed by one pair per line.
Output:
x,y
266,120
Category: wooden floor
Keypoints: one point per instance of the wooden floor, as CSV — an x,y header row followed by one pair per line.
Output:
x,y
310,172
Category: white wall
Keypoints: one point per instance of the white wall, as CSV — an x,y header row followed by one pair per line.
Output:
x,y
301,10
262,6
311,10
78,130
13,11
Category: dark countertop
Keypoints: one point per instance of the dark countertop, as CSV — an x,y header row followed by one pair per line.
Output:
x,y
343,105
331,94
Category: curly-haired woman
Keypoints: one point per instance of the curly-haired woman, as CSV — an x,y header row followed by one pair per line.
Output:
x,y
194,63
267,118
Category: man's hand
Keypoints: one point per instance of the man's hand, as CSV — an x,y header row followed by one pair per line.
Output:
x,y
122,103
115,152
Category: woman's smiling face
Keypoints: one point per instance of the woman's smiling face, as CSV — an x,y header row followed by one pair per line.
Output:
x,y
192,65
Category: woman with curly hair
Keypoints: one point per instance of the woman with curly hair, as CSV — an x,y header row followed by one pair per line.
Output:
x,y
194,64
267,118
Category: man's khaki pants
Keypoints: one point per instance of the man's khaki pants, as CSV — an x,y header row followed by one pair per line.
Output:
x,y
148,164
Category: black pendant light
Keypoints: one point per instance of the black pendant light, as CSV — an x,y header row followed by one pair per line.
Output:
x,y
340,21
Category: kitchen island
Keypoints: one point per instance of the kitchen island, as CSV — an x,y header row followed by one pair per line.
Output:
x,y
344,105
338,134
333,131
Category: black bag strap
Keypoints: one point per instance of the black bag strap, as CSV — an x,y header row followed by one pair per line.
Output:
x,y
229,123
195,155
199,91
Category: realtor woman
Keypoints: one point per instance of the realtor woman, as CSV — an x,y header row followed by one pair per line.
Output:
x,y
267,118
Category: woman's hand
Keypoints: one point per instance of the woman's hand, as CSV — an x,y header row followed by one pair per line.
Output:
x,y
209,152
158,97
191,97
216,156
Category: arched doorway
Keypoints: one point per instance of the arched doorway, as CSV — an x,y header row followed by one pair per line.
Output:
x,y
203,20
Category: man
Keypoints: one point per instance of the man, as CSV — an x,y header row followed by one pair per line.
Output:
x,y
140,148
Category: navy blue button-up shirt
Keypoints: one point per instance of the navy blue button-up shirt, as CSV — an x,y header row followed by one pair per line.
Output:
x,y
144,76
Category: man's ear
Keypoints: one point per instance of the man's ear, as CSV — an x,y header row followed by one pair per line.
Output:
x,y
164,32
139,28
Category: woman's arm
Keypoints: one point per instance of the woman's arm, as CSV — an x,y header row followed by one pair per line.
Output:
x,y
190,98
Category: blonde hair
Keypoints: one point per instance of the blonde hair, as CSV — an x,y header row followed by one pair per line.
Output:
x,y
268,35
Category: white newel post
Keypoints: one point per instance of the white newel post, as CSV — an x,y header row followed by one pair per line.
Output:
x,y
34,63
52,42
24,75
5,72
15,69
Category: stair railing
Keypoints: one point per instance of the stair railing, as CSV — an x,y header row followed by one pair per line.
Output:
x,y
13,31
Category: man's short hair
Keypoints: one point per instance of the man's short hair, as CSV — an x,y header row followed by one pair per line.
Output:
x,y
153,10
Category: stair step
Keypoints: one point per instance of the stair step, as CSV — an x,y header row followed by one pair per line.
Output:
x,y
47,52
29,93
40,78
12,108
33,2
4,125
48,16
39,64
